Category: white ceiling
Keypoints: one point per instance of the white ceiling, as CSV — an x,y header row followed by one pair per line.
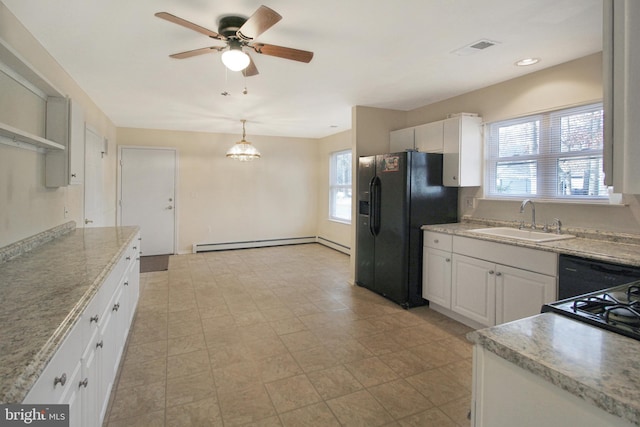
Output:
x,y
379,53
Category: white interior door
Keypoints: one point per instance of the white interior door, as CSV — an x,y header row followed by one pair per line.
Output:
x,y
93,180
147,196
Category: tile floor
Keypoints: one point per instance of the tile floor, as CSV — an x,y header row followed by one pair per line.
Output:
x,y
277,337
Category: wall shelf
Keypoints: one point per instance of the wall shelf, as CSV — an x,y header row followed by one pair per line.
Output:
x,y
19,136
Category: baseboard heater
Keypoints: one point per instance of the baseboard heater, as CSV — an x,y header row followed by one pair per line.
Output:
x,y
208,247
334,245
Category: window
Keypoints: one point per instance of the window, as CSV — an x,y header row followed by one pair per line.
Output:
x,y
555,154
340,186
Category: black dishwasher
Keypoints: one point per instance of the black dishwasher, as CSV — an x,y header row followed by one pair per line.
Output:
x,y
578,276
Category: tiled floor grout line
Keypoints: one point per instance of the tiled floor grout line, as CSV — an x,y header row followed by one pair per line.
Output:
x,y
284,293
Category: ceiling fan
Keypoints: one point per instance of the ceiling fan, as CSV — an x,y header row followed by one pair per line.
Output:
x,y
239,32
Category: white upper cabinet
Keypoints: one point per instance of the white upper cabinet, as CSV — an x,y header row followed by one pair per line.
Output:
x,y
429,138
462,152
621,58
401,140
459,138
65,125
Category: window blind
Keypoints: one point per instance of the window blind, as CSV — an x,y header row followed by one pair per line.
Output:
x,y
555,154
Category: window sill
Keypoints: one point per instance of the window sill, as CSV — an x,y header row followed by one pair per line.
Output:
x,y
592,202
339,221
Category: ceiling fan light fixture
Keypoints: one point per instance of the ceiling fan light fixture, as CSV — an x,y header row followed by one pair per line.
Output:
x,y
243,150
235,59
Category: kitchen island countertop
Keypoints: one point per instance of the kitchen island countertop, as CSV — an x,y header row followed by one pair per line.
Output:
x,y
598,366
43,292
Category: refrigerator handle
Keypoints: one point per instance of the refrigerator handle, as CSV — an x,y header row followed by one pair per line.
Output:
x,y
372,205
375,206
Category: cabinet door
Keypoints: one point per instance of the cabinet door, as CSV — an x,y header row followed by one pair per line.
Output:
x,y
429,137
462,165
401,140
436,275
76,144
110,346
90,381
521,293
473,289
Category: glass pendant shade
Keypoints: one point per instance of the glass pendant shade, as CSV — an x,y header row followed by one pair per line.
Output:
x,y
235,59
243,150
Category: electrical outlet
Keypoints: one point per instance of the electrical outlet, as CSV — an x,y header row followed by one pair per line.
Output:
x,y
468,203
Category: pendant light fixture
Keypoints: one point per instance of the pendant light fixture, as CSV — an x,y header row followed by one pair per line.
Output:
x,y
243,150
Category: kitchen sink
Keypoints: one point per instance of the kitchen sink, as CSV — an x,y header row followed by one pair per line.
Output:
x,y
526,235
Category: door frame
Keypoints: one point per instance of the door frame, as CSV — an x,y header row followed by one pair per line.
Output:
x,y
175,181
96,132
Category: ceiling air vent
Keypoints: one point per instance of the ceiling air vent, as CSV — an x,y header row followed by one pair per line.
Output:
x,y
474,47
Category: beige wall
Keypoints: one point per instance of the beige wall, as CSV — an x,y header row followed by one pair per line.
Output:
x,y
26,206
220,200
573,83
332,231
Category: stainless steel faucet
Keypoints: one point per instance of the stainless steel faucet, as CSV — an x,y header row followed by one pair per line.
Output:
x,y
533,211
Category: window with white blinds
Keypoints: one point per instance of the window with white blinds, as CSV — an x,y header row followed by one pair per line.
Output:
x,y
556,154
340,186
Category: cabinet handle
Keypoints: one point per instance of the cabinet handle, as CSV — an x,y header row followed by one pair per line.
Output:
x,y
100,344
448,259
135,247
62,379
491,271
93,319
84,383
126,283
128,258
73,175
436,241
116,306
454,178
498,274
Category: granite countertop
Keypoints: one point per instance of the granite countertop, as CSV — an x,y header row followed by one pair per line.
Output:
x,y
43,292
598,245
598,366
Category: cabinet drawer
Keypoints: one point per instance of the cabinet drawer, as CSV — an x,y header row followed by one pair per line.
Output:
x,y
538,261
438,241
60,375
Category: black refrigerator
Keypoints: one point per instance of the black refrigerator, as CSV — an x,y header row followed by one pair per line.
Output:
x,y
397,194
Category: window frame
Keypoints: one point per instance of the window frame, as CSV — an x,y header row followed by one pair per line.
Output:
x,y
548,155
334,187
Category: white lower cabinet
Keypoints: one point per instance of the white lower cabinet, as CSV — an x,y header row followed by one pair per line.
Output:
x,y
505,395
83,369
473,289
436,268
521,293
437,277
484,283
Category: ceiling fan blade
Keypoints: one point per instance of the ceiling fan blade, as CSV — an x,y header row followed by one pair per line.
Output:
x,y
261,20
251,69
282,52
195,52
172,18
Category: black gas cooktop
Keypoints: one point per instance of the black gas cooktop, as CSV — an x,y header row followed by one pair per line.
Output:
x,y
615,309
